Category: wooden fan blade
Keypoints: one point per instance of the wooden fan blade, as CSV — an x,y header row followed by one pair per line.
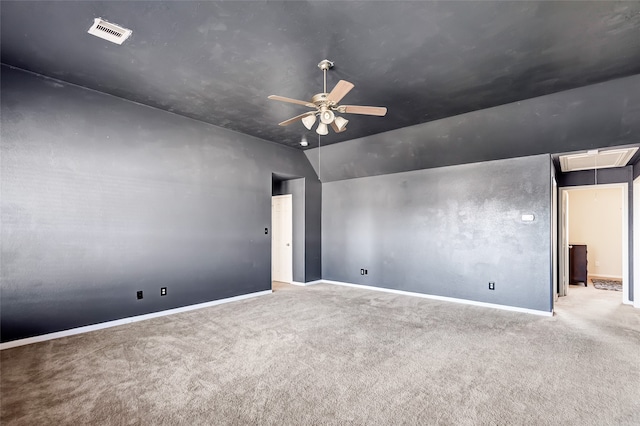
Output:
x,y
291,101
294,119
342,88
366,110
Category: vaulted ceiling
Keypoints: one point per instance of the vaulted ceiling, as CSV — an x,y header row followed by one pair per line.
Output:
x,y
218,61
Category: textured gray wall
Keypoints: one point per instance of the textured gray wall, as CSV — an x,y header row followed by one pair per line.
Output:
x,y
445,231
313,226
597,116
103,197
295,187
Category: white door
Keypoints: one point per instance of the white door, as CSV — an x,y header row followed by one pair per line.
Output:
x,y
564,249
281,238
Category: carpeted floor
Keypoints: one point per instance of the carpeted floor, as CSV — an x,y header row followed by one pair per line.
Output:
x,y
334,355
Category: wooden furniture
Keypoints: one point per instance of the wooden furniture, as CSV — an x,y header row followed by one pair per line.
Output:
x,y
578,264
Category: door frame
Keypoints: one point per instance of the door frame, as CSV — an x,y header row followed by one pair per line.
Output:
x,y
636,242
564,252
563,244
554,240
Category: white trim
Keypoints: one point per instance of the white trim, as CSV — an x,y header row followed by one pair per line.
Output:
x,y
636,242
443,298
306,284
613,277
625,244
115,323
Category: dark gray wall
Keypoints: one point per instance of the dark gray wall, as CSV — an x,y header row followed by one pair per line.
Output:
x,y
313,226
295,187
103,197
597,116
607,176
445,231
604,176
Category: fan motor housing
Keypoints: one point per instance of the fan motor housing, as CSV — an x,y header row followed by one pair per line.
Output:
x,y
321,99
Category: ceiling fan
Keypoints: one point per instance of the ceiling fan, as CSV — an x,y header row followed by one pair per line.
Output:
x,y
326,105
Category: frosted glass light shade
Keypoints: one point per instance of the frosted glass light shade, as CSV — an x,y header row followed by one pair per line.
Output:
x,y
322,129
308,121
341,123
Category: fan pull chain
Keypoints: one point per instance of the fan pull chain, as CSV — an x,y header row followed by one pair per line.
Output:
x,y
319,168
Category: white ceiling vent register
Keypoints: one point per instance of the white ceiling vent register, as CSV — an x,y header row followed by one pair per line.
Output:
x,y
596,159
108,31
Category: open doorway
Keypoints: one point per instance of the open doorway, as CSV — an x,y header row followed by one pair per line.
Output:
x,y
288,240
594,239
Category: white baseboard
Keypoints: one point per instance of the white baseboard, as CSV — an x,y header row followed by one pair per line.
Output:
x,y
115,323
613,277
306,284
444,298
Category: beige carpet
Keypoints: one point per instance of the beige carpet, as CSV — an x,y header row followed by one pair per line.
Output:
x,y
334,355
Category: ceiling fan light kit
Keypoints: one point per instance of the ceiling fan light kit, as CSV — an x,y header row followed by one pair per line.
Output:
x,y
326,105
309,120
327,116
322,129
340,123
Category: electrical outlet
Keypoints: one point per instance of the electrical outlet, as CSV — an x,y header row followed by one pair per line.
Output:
x,y
163,291
366,272
139,294
492,285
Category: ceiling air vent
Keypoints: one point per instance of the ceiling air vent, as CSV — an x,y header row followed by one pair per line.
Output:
x,y
596,159
108,31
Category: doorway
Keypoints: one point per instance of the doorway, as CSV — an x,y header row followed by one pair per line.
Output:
x,y
282,238
598,218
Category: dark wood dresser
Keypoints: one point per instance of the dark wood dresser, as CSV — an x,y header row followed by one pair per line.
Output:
x,y
578,264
